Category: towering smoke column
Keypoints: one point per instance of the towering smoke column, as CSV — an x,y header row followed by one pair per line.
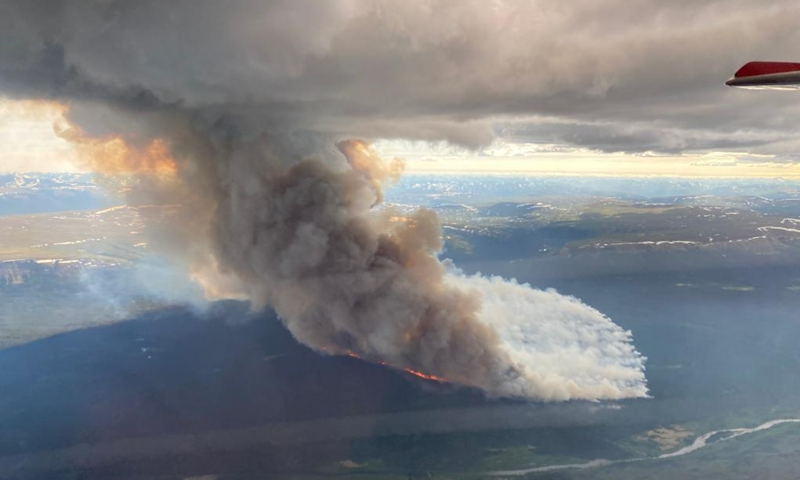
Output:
x,y
305,237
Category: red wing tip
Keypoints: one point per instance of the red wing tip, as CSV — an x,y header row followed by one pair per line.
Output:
x,y
752,69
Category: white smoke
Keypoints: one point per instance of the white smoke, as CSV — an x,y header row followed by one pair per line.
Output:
x,y
568,350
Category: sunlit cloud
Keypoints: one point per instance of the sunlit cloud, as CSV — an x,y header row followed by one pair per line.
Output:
x,y
28,142
508,157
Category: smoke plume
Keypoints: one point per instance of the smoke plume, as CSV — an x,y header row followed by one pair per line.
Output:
x,y
302,234
270,202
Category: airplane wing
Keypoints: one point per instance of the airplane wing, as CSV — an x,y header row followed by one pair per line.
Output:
x,y
772,75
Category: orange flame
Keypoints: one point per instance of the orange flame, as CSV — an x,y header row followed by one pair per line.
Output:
x,y
416,373
425,375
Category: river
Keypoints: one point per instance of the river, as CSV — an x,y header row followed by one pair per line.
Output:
x,y
699,442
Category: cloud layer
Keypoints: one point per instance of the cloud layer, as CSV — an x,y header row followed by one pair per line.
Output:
x,y
607,74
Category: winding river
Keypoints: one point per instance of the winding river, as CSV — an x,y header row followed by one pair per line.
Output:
x,y
699,442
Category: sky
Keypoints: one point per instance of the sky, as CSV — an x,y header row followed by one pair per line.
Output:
x,y
28,142
602,87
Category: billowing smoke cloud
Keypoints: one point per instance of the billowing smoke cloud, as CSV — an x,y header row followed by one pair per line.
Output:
x,y
642,76
305,239
269,201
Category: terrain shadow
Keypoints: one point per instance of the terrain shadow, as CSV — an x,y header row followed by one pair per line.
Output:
x,y
173,371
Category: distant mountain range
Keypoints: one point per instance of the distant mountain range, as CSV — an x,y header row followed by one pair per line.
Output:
x,y
22,194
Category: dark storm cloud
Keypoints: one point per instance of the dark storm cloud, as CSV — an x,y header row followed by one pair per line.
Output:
x,y
629,76
636,137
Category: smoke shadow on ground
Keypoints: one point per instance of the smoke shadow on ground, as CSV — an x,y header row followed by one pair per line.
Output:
x,y
174,371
